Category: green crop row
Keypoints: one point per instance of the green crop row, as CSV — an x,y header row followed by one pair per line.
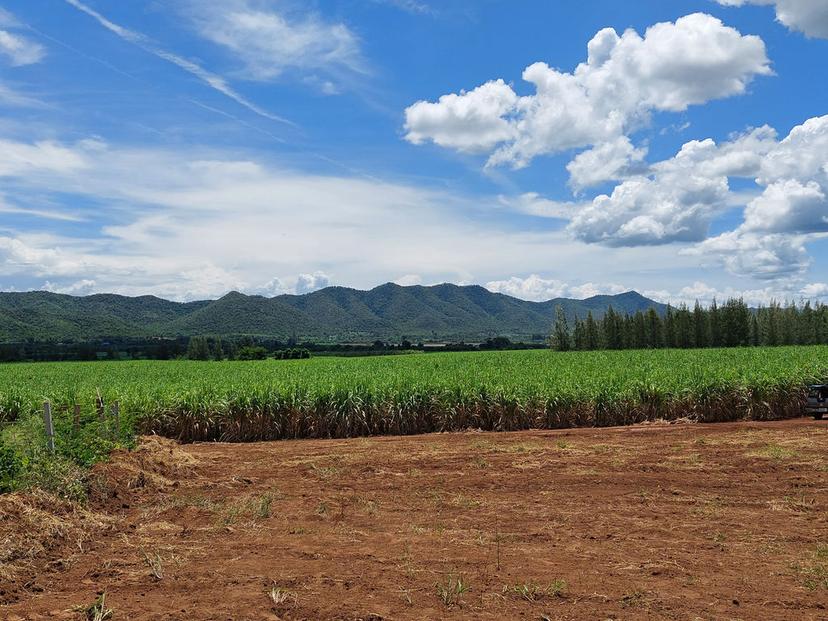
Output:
x,y
345,397
338,397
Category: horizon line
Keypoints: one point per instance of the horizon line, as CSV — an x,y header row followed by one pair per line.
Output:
x,y
368,290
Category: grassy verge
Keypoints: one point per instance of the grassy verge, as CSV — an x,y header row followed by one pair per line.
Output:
x,y
26,463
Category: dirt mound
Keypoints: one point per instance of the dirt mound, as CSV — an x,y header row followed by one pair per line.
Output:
x,y
155,464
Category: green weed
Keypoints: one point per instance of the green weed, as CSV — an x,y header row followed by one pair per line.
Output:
x,y
452,590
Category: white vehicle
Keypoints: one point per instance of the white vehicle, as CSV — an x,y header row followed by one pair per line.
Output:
x,y
817,404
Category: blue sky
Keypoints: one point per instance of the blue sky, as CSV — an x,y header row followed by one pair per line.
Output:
x,y
186,148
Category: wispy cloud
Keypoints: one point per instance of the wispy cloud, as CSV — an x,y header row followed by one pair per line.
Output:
x,y
7,20
18,49
46,214
213,80
190,227
11,97
410,6
268,41
236,119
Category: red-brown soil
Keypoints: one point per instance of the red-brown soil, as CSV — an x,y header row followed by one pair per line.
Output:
x,y
723,521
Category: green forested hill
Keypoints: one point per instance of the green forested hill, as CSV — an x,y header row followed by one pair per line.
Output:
x,y
337,314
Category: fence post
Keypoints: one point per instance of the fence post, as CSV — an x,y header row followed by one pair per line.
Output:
x,y
99,404
116,415
76,420
50,430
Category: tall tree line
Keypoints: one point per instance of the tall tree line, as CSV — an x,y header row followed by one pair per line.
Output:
x,y
730,325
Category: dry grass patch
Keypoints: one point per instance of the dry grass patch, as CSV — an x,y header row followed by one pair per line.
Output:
x,y
527,464
465,502
814,572
328,471
254,507
793,504
155,564
368,506
281,597
508,447
773,451
690,461
159,529
34,523
185,501
155,462
708,506
481,463
525,447
633,599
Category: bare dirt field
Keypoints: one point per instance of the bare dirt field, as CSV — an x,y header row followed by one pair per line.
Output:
x,y
724,521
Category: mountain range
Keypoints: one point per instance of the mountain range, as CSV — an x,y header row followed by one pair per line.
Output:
x,y
335,314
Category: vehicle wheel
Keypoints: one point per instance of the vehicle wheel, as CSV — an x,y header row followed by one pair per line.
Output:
x,y
818,416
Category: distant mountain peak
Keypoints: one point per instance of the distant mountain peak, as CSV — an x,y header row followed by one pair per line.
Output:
x,y
627,295
445,312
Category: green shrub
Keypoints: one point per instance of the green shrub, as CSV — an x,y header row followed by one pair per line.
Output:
x,y
252,353
88,448
57,475
292,354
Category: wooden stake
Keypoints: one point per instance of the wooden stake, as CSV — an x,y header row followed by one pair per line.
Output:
x,y
99,403
50,430
76,420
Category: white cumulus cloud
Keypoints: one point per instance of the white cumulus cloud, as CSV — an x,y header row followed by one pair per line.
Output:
x,y
606,162
678,198
705,293
533,204
672,205
471,122
815,290
301,284
757,255
807,16
409,280
538,289
788,207
80,287
674,65
791,211
307,283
